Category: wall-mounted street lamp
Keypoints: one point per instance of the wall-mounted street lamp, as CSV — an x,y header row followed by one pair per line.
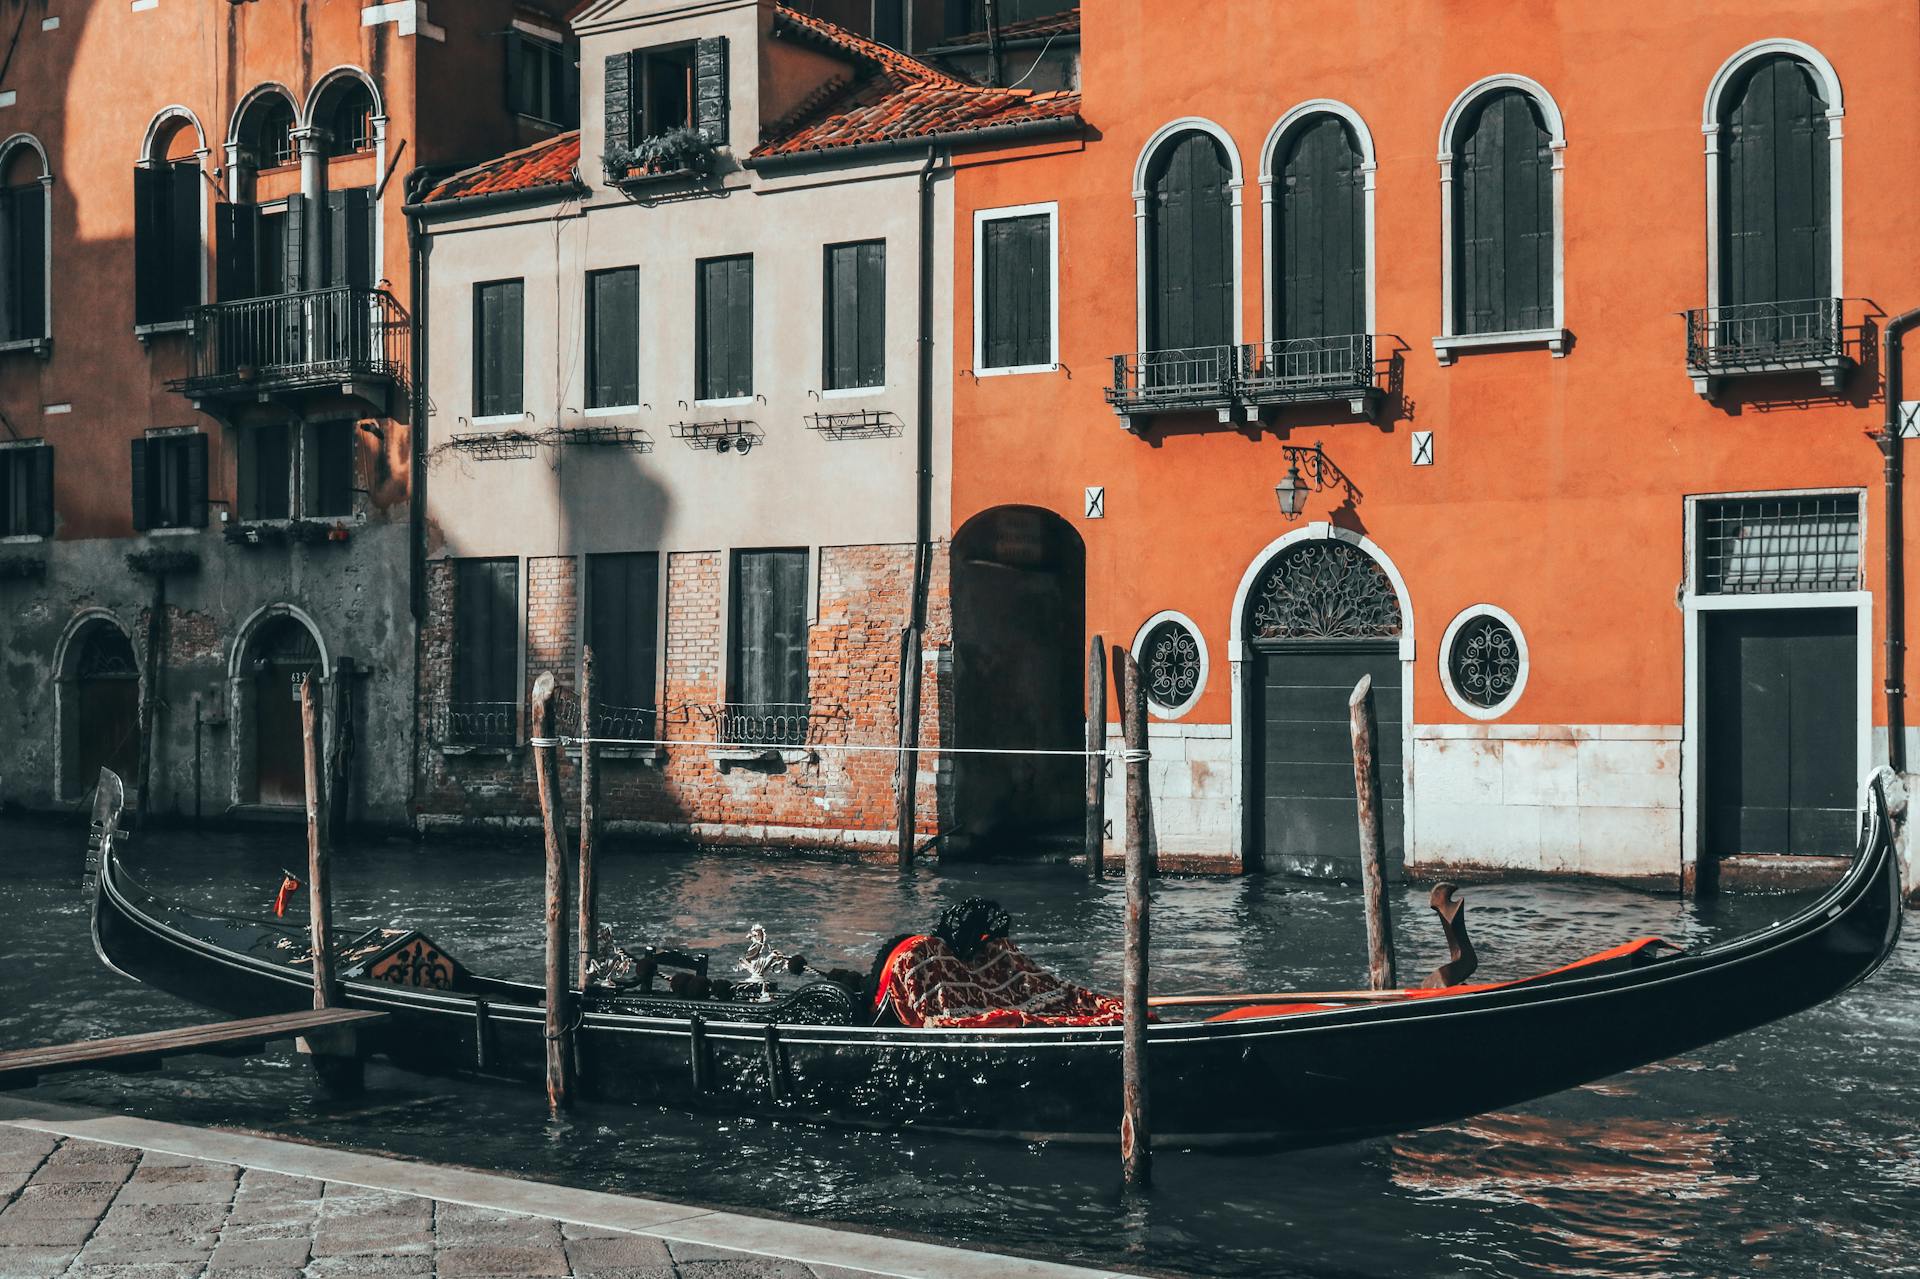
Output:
x,y
1321,474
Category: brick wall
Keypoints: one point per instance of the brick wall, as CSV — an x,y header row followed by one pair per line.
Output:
x,y
553,614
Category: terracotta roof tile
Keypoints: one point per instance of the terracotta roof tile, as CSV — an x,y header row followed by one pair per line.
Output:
x,y
1053,24
552,163
894,97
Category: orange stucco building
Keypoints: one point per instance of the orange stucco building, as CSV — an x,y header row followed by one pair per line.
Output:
x,y
1617,570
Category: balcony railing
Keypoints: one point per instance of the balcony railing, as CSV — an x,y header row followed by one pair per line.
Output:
x,y
322,339
1200,377
478,724
762,723
1309,370
1755,338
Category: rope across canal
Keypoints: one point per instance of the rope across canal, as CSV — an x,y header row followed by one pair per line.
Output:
x,y
1123,755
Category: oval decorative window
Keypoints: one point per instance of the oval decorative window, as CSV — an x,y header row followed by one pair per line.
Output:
x,y
1484,662
1173,661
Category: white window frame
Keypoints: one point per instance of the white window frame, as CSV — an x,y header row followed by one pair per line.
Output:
x,y
1051,209
43,344
1281,132
1139,649
1472,709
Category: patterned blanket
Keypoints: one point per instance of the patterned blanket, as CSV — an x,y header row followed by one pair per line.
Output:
x,y
923,983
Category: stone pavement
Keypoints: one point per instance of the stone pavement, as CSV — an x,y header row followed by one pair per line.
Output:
x,y
76,1208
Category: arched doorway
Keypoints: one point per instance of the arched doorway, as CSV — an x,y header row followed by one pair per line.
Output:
x,y
1318,614
1019,624
281,655
101,726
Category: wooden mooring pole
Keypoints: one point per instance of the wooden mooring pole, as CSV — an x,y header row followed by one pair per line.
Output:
x,y
589,823
334,1052
1373,872
1096,839
553,819
906,781
1136,1132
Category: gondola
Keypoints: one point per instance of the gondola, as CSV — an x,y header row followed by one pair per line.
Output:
x,y
1292,1076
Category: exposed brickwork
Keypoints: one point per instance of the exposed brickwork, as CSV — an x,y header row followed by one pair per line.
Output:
x,y
553,615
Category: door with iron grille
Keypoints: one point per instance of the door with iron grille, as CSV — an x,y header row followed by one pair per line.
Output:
x,y
1321,615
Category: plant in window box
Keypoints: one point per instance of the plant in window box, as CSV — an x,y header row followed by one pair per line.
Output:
x,y
22,566
161,563
679,151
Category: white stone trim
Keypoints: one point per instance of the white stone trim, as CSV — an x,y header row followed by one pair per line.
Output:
x,y
1051,210
1448,343
1154,708
1236,187
63,680
1369,166
161,117
243,636
253,96
409,17
345,71
1710,126
1460,703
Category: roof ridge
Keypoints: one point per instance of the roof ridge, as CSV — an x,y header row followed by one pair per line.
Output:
x,y
856,45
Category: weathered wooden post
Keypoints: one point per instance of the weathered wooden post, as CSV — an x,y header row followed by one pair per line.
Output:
x,y
906,781
1373,875
1097,759
339,740
335,1053
589,822
1136,1132
553,818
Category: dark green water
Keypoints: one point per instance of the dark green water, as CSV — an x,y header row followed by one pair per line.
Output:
x,y
1793,1150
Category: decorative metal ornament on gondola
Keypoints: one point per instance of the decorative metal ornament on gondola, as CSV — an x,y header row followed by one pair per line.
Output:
x,y
1324,590
1173,665
1484,661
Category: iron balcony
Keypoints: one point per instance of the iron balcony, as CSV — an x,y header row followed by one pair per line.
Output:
x,y
1152,382
1756,339
1249,377
345,341
477,724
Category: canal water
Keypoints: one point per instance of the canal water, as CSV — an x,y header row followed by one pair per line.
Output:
x,y
1793,1150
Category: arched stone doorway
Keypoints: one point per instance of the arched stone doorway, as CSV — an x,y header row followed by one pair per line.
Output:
x,y
99,680
1316,613
1019,626
275,657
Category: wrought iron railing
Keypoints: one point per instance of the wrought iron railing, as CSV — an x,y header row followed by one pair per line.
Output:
x,y
297,339
1764,335
478,724
610,723
1294,369
762,723
1198,377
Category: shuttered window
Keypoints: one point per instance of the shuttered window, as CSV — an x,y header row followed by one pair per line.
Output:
x,y
499,348
723,318
23,262
856,315
1503,217
623,598
769,649
347,243
166,241
613,338
1014,290
542,79
266,473
170,481
26,491
328,486
486,651
1190,268
1776,207
1320,237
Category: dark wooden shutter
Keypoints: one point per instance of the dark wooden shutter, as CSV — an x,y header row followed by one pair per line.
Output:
x,y
725,324
349,239
294,249
622,611
1503,218
486,651
856,315
1321,249
236,251
12,295
196,445
770,628
1775,206
31,234
710,88
569,86
272,473
613,338
617,98
185,248
150,248
142,521
499,348
1191,265
332,469
1017,291
512,347
40,488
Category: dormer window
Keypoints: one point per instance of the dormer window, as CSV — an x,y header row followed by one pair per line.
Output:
x,y
662,92
540,78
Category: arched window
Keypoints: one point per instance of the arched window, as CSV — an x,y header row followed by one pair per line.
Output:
x,y
1500,175
265,131
26,200
1319,231
169,262
346,111
1774,225
1190,264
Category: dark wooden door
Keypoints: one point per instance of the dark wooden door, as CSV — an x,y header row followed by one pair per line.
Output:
x,y
279,752
109,721
1780,731
1304,817
1320,253
1190,292
1774,196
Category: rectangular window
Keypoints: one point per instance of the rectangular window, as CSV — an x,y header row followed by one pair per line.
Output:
x,y
1757,545
768,648
166,241
540,80
170,481
26,491
623,601
266,473
23,262
613,338
856,315
499,348
328,488
486,653
663,91
724,328
1015,287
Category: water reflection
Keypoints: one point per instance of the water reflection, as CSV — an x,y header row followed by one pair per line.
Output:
x,y
1788,1151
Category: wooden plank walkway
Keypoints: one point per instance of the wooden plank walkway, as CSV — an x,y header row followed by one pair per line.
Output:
x,y
23,1067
